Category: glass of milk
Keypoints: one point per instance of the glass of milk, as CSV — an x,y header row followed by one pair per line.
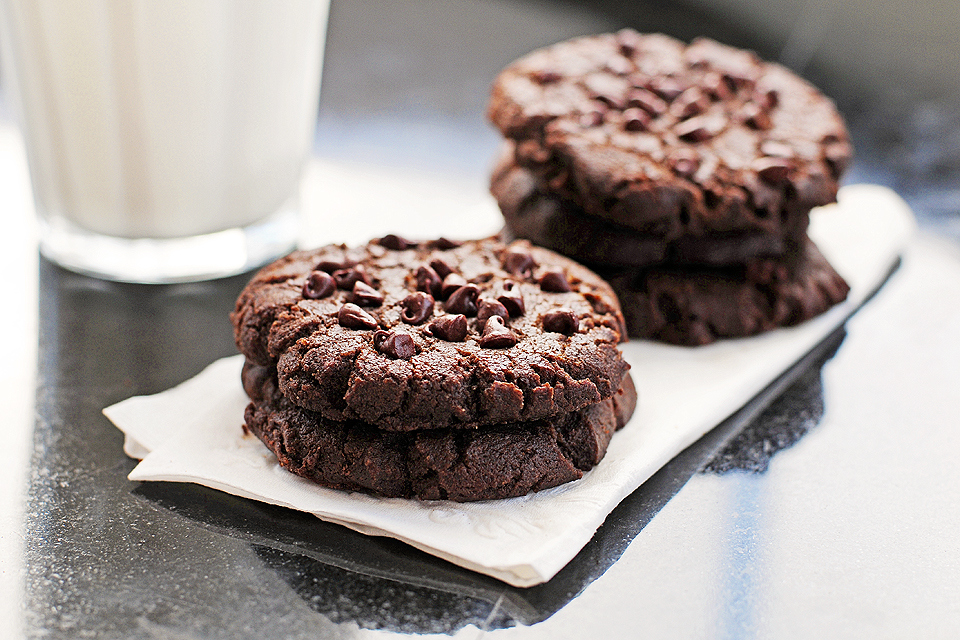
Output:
x,y
165,138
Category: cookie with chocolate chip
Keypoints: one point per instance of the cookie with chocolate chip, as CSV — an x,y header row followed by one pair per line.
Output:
x,y
699,305
673,139
532,211
405,335
502,461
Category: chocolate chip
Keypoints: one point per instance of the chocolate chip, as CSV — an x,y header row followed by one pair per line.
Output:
x,y
417,307
449,328
365,295
397,243
607,89
592,118
445,243
755,117
629,41
346,278
690,103
697,129
353,317
463,300
646,100
554,281
546,76
716,86
511,299
618,66
319,284
395,344
560,321
429,281
489,308
518,262
772,170
636,120
496,335
766,99
451,283
776,149
666,88
441,267
329,266
685,162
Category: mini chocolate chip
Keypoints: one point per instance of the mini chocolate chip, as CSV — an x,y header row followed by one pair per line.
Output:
x,y
445,243
666,88
353,317
592,118
767,99
772,170
365,295
417,307
618,66
518,262
560,321
489,308
449,328
776,149
755,117
685,162
546,76
441,267
697,129
496,335
451,283
629,41
395,344
690,103
554,281
428,281
715,84
511,299
319,284
463,300
635,119
646,100
397,243
329,266
346,278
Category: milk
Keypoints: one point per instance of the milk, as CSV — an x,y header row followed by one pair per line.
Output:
x,y
164,118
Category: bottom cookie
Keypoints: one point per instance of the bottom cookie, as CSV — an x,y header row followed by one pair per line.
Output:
x,y
697,306
532,211
501,461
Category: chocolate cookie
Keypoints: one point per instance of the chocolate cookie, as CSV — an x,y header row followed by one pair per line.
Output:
x,y
673,139
435,464
405,335
532,211
696,306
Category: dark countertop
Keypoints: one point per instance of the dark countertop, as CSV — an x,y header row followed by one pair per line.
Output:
x,y
825,508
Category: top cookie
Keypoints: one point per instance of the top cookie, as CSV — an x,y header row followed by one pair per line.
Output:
x,y
671,138
409,336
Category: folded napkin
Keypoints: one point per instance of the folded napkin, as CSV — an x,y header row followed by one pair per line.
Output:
x,y
192,433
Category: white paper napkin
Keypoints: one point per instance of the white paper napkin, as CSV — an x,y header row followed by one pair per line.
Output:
x,y
192,433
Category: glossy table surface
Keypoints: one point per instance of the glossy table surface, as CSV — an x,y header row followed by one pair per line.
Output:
x,y
827,507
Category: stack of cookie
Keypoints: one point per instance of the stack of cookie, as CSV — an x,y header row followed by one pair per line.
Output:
x,y
437,370
684,174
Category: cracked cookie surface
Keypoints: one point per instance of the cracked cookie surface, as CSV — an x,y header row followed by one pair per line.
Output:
x,y
409,335
673,139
